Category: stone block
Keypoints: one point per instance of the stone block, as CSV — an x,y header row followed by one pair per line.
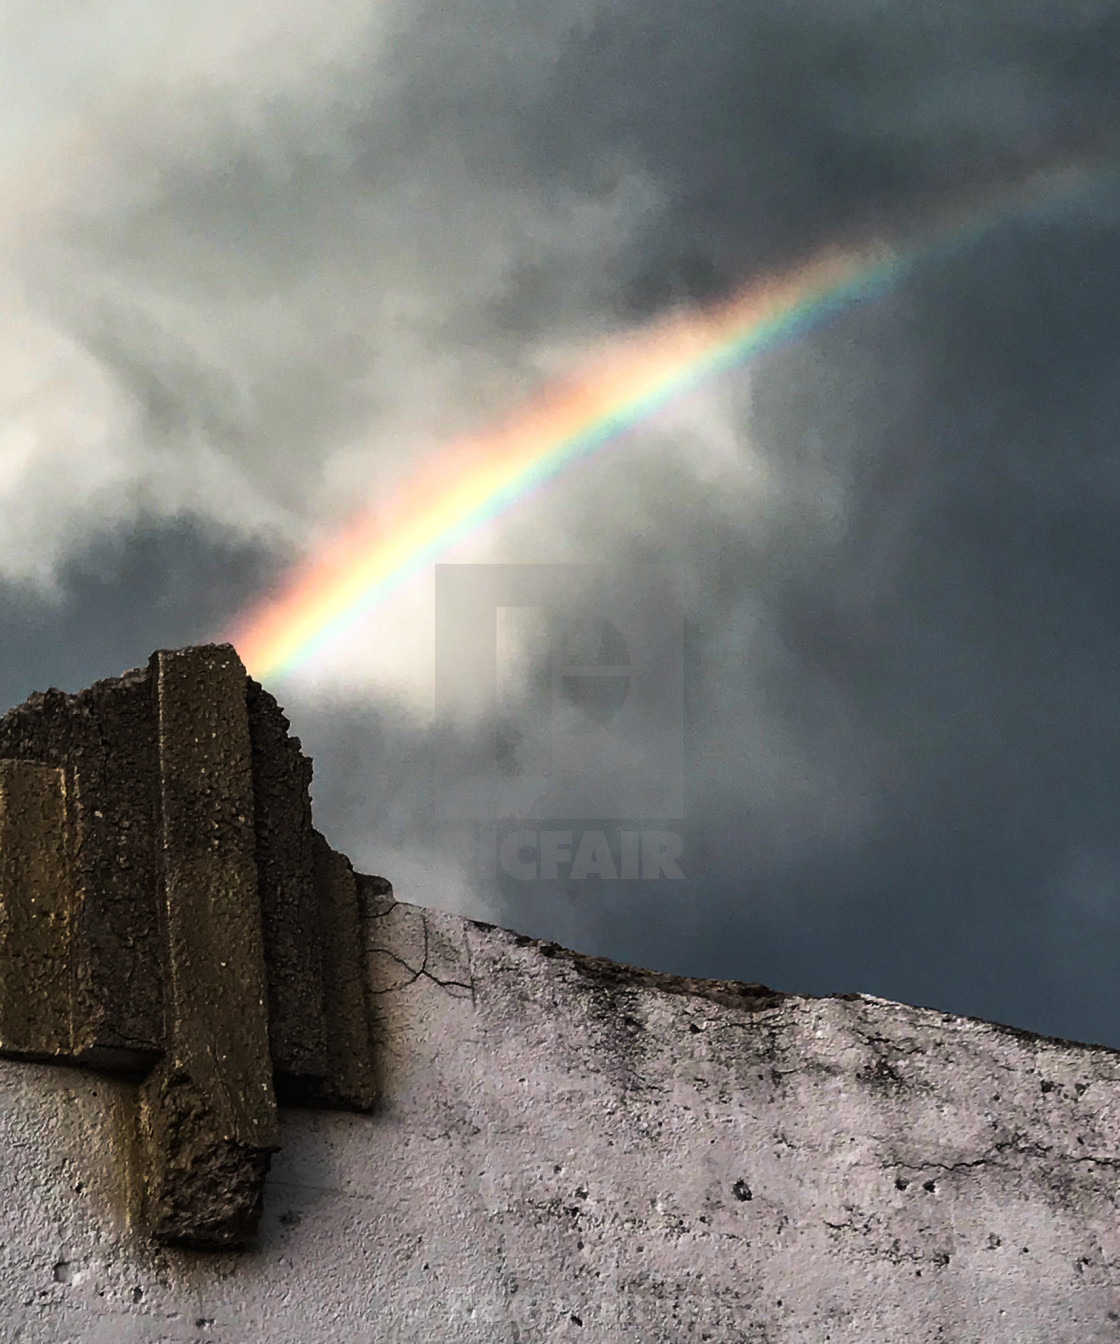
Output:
x,y
37,897
350,1077
168,910
209,1106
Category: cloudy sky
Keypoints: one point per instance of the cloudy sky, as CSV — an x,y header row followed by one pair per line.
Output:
x,y
259,261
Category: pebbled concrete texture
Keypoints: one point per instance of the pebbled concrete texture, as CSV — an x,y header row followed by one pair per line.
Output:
x,y
568,1150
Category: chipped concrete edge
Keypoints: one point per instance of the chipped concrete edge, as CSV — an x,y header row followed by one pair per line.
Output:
x,y
746,996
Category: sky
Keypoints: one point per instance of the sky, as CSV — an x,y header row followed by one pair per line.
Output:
x,y
260,262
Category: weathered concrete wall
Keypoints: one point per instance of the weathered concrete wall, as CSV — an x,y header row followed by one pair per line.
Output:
x,y
567,1151
178,918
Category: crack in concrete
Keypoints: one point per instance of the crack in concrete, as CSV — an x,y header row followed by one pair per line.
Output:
x,y
1033,1150
416,973
874,1040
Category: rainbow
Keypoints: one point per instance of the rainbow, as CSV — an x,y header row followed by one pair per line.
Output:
x,y
479,477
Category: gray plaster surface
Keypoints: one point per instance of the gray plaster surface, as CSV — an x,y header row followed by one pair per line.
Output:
x,y
569,1152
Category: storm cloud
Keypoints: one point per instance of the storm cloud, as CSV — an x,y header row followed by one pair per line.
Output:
x,y
261,261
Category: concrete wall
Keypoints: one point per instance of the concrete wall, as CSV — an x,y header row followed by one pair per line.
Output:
x,y
569,1151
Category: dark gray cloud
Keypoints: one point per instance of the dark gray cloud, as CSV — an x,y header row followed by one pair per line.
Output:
x,y
160,583
894,541
943,662
771,129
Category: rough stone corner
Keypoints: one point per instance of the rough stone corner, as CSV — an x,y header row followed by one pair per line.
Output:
x,y
168,912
